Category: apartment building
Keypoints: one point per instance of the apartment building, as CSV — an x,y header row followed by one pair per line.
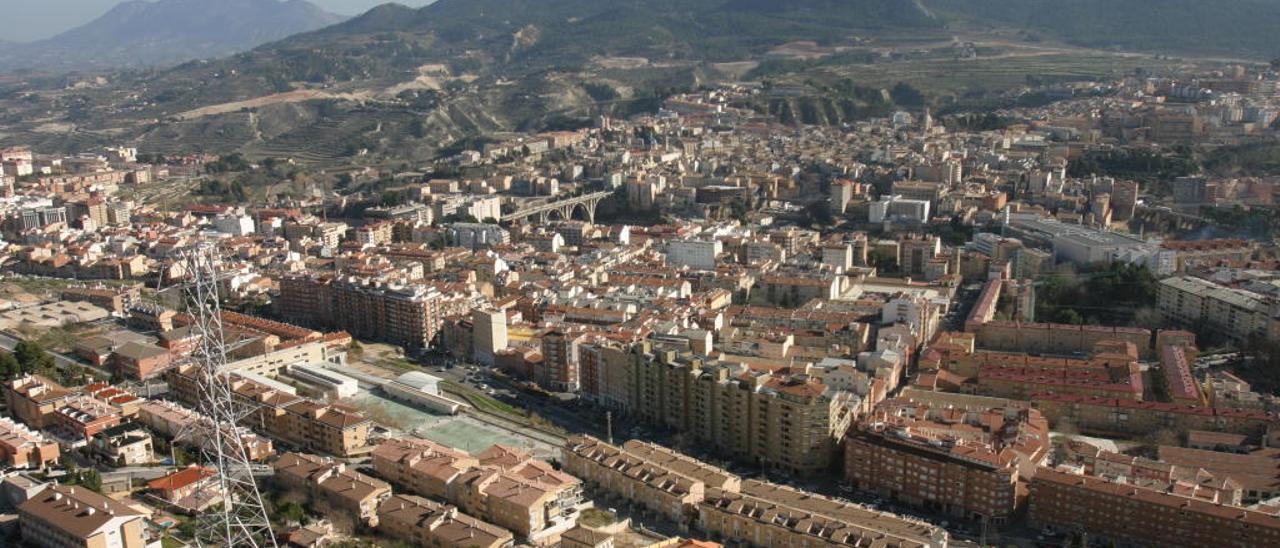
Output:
x,y
965,461
1111,416
1125,513
559,369
314,426
1230,313
75,517
34,399
786,421
767,515
348,490
651,476
489,334
423,522
179,424
501,485
402,314
22,447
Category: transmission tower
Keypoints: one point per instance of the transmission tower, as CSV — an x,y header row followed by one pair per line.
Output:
x,y
242,520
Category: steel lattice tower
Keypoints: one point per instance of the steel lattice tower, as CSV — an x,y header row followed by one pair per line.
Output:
x,y
242,521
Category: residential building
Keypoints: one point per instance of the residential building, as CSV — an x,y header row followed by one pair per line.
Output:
x,y
75,517
1235,314
489,334
21,447
347,490
426,523
501,485
1125,513
695,254
654,477
392,312
964,461
34,399
784,420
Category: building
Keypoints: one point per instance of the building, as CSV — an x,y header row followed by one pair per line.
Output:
x,y
127,444
75,517
649,475
897,209
916,251
21,447
964,461
489,334
173,421
422,522
313,426
192,489
1124,513
783,420
695,254
477,235
766,515
347,490
559,369
34,399
395,313
140,361
501,485
1227,312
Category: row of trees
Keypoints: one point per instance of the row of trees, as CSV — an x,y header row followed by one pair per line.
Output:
x,y
27,357
1114,294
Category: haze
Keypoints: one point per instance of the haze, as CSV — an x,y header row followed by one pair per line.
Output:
x,y
30,20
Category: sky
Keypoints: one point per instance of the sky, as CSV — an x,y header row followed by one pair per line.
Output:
x,y
29,20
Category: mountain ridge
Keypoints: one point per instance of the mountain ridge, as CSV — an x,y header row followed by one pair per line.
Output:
x,y
141,33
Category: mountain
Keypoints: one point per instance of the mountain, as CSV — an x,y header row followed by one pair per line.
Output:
x,y
398,81
141,33
1221,27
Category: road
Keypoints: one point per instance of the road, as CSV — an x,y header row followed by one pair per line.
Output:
x,y
9,342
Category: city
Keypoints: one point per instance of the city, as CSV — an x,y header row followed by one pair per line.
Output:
x,y
738,316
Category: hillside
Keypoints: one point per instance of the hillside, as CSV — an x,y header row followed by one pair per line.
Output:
x,y
399,81
1238,28
141,33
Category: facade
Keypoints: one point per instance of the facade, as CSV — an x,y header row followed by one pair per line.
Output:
x,y
75,517
34,399
406,315
695,254
489,334
785,421
1235,314
651,476
560,368
422,522
767,515
348,490
21,447
964,462
501,485
1124,513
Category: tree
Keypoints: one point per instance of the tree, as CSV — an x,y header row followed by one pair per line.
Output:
x,y
9,366
905,95
32,357
91,479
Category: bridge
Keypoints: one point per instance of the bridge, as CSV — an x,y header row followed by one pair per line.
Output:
x,y
560,209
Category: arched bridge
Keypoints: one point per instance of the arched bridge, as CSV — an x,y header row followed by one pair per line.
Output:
x,y
560,209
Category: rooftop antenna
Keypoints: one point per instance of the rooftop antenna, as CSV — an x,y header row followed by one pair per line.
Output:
x,y
241,520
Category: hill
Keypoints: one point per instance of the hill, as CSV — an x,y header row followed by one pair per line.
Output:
x,y
398,81
1224,27
141,33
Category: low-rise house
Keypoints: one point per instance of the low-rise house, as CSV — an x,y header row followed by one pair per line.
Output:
x,y
350,491
425,523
